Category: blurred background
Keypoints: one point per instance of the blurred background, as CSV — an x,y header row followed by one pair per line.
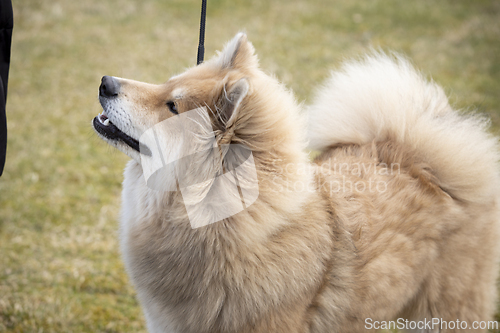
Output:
x,y
60,268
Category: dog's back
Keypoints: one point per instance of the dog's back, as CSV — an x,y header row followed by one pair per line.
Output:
x,y
416,185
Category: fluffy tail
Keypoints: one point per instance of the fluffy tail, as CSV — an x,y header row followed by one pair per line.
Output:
x,y
382,97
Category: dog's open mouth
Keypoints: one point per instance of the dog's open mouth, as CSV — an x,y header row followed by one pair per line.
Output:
x,y
107,129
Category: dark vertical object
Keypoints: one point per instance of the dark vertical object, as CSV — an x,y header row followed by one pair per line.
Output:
x,y
201,44
6,25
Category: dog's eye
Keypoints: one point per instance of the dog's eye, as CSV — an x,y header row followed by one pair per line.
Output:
x,y
172,107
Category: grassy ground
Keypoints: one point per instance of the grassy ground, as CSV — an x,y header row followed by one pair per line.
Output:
x,y
60,269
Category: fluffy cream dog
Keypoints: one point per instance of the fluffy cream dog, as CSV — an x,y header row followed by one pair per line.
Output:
x,y
397,218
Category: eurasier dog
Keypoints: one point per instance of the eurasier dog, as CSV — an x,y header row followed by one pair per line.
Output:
x,y
396,219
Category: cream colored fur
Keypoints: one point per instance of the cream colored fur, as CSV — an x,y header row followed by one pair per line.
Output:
x,y
316,253
382,97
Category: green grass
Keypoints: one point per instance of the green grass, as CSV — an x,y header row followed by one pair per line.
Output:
x,y
60,269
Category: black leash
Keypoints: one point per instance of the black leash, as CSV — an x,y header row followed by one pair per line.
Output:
x,y
201,44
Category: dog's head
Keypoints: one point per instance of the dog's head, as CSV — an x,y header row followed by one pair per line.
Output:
x,y
242,106
236,105
221,85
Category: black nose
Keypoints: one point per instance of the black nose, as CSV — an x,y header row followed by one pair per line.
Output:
x,y
110,87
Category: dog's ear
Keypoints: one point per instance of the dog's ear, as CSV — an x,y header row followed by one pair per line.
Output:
x,y
231,100
238,54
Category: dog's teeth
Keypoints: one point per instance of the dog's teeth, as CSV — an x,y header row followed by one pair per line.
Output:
x,y
106,122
